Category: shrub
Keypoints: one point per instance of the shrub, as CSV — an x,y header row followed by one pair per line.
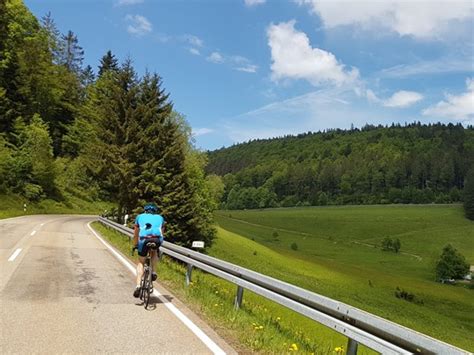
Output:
x,y
451,264
391,245
294,246
33,192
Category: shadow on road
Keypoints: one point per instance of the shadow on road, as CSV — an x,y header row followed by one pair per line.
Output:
x,y
155,300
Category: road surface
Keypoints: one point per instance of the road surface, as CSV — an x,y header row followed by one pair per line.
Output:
x,y
63,291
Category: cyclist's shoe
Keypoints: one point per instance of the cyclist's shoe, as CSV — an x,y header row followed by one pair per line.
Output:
x,y
136,293
154,276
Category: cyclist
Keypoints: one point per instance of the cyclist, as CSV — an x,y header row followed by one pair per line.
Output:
x,y
148,228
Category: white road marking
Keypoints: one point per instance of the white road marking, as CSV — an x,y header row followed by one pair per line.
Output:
x,y
14,255
186,321
42,224
33,233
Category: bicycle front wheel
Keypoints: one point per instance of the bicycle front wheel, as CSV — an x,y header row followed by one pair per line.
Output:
x,y
143,284
148,288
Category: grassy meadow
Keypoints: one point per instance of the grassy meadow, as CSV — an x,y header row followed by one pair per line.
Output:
x,y
12,206
338,255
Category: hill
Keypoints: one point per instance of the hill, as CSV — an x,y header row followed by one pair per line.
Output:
x,y
374,165
335,251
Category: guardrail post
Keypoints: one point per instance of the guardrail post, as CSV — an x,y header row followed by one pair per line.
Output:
x,y
351,347
238,297
189,273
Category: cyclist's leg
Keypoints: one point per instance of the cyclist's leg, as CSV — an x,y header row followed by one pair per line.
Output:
x,y
141,262
142,250
154,261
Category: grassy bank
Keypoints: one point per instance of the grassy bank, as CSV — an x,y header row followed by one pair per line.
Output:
x,y
260,325
12,206
337,254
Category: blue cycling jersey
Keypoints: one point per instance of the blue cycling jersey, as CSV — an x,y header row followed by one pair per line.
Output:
x,y
149,225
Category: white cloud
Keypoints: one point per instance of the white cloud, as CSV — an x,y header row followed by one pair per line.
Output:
x,y
254,2
443,65
128,2
294,58
202,131
460,107
249,68
193,40
400,99
422,18
216,58
403,99
194,51
138,25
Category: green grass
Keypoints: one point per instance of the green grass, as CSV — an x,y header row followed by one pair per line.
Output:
x,y
330,262
12,206
260,325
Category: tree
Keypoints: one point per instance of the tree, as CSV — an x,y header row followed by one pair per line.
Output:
x,y
72,53
108,62
87,76
451,264
469,195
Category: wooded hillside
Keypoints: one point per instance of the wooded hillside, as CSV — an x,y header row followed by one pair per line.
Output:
x,y
414,163
65,131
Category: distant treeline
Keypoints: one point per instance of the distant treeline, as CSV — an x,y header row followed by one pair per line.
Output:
x,y
415,163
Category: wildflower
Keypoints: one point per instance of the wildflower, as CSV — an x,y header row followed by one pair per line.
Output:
x,y
278,319
216,304
217,292
293,347
339,350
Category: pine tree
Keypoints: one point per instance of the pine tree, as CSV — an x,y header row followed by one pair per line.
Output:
x,y
469,194
73,54
87,76
108,62
55,41
114,106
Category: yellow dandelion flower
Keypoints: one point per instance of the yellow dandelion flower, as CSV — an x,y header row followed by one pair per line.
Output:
x,y
278,319
215,305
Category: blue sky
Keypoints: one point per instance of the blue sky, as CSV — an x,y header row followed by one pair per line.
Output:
x,y
245,69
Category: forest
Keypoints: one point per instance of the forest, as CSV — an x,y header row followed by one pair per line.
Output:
x,y
414,163
66,130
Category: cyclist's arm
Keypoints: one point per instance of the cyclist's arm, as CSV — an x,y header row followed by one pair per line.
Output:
x,y
135,235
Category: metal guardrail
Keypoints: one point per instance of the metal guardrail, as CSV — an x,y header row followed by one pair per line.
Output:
x,y
358,326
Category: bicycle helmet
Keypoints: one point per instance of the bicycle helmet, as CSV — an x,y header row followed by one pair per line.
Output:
x,y
151,207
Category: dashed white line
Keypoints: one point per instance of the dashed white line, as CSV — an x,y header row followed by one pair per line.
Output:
x,y
14,255
33,233
186,321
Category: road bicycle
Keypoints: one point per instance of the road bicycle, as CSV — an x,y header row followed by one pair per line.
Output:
x,y
146,283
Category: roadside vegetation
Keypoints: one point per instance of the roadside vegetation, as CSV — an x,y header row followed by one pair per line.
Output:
x,y
13,206
259,326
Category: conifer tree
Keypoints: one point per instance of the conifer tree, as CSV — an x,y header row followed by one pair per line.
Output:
x,y
108,62
469,195
72,54
87,76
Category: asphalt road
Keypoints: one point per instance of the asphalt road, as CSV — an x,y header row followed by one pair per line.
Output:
x,y
63,291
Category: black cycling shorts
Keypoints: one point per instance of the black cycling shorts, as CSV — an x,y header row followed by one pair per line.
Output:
x,y
143,245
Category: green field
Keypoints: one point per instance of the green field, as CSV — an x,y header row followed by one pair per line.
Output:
x,y
338,256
